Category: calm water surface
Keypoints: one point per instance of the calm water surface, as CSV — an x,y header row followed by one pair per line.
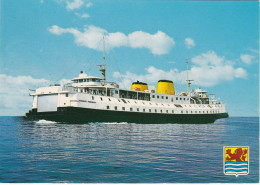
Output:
x,y
43,151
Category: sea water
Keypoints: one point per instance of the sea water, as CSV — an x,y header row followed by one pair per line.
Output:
x,y
46,151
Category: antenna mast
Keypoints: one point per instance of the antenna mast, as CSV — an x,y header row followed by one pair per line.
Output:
x,y
188,81
103,70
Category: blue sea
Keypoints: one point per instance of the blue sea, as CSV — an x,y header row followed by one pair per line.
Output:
x,y
49,152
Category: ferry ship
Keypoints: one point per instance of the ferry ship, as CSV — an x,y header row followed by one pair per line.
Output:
x,y
91,99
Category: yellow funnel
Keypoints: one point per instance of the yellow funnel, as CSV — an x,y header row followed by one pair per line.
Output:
x,y
165,87
139,86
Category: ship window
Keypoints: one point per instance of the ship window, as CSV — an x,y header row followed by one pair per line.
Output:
x,y
101,98
123,108
116,92
187,112
177,105
115,107
81,90
150,110
156,103
92,97
143,102
119,100
107,107
153,96
162,105
67,95
155,110
131,109
80,80
162,97
109,99
168,104
199,111
93,80
171,99
128,101
183,98
166,111
158,97
187,98
176,98
137,109
182,112
143,110
123,100
135,102
167,97
191,112
161,111
180,98
150,103
172,111
203,111
207,111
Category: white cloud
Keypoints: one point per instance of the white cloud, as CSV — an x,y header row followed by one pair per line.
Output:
x,y
189,43
14,92
247,58
89,4
158,43
76,4
84,15
208,69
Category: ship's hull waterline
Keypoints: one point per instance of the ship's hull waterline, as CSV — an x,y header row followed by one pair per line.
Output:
x,y
85,115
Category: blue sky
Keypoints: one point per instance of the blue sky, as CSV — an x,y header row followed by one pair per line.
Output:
x,y
45,41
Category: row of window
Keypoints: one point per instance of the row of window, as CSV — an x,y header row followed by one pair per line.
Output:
x,y
176,105
167,111
166,97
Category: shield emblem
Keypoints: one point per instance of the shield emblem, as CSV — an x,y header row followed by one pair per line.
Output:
x,y
236,160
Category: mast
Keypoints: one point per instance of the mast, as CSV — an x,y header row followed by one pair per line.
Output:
x,y
103,70
188,81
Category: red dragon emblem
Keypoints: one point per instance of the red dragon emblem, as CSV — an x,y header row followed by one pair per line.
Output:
x,y
238,155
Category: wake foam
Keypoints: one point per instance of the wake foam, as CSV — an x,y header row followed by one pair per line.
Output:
x,y
43,121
